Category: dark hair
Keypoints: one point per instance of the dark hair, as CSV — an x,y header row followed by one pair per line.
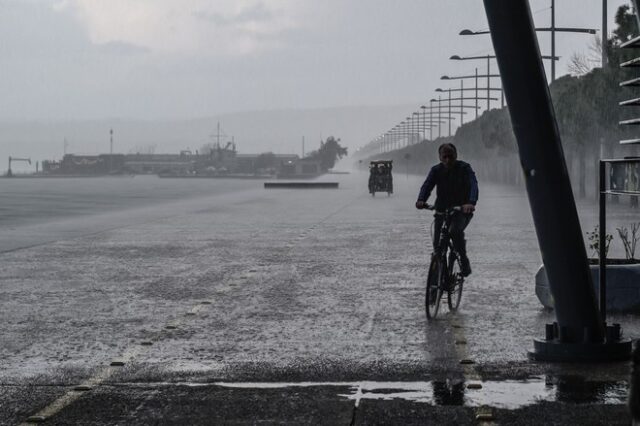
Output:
x,y
450,146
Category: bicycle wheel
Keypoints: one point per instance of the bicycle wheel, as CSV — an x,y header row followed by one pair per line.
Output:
x,y
455,282
434,287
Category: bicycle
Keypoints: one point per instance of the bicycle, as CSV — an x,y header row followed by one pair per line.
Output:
x,y
444,271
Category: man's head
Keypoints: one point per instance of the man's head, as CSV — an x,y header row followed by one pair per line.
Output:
x,y
448,154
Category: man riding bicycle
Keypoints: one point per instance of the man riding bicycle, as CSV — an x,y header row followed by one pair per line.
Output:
x,y
456,186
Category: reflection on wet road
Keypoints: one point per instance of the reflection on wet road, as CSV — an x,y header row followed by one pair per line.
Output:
x,y
235,284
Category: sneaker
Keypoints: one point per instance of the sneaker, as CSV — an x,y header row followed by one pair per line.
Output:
x,y
465,267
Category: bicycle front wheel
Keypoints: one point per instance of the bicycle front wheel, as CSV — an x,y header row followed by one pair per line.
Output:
x,y
455,282
434,287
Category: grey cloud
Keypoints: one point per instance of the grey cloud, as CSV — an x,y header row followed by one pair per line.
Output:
x,y
258,12
121,48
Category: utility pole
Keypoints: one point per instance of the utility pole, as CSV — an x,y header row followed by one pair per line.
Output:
x,y
605,36
461,102
449,114
553,40
439,113
303,147
111,150
477,93
488,83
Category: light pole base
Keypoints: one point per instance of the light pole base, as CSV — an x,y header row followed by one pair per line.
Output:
x,y
553,349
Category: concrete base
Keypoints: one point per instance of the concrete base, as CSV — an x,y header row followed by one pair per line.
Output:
x,y
555,351
555,348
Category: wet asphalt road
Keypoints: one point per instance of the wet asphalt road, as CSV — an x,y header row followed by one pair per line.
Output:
x,y
229,303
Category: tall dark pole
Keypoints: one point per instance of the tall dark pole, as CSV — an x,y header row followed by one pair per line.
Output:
x,y
461,102
602,199
424,122
476,93
547,181
431,119
449,114
412,130
553,40
488,83
605,59
110,150
439,114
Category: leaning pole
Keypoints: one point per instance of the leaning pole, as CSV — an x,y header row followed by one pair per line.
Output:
x,y
579,333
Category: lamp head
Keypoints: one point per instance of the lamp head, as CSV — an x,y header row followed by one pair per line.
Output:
x,y
466,32
456,58
445,77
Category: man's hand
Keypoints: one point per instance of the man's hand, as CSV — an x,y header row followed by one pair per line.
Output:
x,y
419,204
468,208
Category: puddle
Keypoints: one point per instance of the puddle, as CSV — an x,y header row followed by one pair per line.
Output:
x,y
507,394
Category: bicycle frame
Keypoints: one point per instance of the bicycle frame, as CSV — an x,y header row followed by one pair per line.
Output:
x,y
444,243
447,281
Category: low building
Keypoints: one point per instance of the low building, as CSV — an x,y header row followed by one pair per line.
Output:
x,y
301,167
73,164
179,164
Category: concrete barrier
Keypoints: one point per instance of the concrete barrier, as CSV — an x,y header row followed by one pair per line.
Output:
x,y
623,287
301,185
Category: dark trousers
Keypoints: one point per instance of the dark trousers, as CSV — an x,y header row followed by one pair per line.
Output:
x,y
459,222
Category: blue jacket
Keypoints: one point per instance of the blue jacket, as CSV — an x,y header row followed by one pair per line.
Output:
x,y
455,186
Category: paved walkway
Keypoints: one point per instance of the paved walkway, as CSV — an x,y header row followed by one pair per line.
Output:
x,y
231,303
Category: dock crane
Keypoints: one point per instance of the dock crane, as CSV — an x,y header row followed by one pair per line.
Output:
x,y
13,159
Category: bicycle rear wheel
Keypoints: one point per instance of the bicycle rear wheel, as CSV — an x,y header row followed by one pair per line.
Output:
x,y
434,287
456,280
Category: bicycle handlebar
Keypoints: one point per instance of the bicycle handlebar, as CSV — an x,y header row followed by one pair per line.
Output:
x,y
449,210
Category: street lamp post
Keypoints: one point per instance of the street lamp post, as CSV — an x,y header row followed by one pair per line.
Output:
x,y
462,99
424,123
110,150
476,93
417,114
431,118
553,30
439,113
476,76
605,35
449,114
553,39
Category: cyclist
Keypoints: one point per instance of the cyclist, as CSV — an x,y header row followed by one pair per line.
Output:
x,y
456,186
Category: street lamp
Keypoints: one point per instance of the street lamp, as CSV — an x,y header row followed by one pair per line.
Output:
x,y
553,30
476,76
462,98
446,115
417,124
424,127
475,88
488,75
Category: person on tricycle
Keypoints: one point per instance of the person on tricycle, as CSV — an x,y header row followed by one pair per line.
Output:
x,y
380,178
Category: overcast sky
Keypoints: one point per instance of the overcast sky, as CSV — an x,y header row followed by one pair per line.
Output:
x,y
150,59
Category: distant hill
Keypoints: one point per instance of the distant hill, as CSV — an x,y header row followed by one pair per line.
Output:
x,y
280,131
